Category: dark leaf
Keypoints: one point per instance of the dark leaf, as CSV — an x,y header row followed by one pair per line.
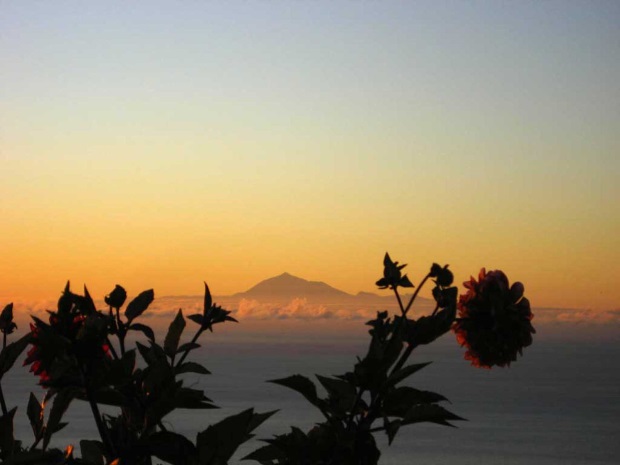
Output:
x,y
341,394
430,413
88,306
152,355
208,301
399,401
171,343
300,384
192,399
61,402
196,318
171,447
218,442
391,428
191,367
148,332
259,418
92,452
138,305
403,373
426,329
266,454
187,346
35,415
11,352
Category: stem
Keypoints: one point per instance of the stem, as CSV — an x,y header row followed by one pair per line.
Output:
x,y
109,343
108,447
400,302
121,331
103,432
194,339
2,402
358,398
415,294
403,358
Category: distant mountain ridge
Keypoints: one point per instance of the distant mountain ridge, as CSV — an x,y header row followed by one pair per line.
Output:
x,y
286,287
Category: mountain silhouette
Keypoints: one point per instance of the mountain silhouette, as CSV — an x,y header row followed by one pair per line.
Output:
x,y
287,286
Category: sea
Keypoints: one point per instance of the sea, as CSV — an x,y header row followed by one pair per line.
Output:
x,y
558,404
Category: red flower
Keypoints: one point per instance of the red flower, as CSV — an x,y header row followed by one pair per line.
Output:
x,y
494,320
52,342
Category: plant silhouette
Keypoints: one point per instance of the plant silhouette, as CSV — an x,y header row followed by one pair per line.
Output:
x,y
81,354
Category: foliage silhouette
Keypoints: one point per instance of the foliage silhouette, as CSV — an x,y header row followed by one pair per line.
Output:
x,y
74,356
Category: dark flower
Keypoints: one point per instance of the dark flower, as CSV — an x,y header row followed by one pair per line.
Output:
x,y
494,320
443,276
117,297
392,275
7,326
70,337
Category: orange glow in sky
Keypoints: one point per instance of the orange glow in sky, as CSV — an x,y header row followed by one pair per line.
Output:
x,y
165,146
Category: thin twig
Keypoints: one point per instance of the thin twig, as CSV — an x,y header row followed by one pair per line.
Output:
x,y
415,294
194,339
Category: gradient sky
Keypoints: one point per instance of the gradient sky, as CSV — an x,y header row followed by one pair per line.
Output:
x,y
160,144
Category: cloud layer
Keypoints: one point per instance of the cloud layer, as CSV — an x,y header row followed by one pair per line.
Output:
x,y
300,308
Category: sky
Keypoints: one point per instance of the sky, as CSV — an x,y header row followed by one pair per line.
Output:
x,y
159,144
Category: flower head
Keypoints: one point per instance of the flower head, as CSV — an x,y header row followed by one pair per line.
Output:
x,y
71,337
7,326
494,321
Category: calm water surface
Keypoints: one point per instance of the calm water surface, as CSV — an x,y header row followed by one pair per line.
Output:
x,y
560,404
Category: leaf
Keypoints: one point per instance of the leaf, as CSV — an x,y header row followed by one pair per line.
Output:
x,y
137,306
196,318
89,305
300,384
61,402
148,332
11,353
430,413
340,392
171,447
426,329
208,301
174,334
267,454
391,428
259,418
92,451
35,415
152,355
399,401
403,373
192,399
191,367
218,442
187,346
